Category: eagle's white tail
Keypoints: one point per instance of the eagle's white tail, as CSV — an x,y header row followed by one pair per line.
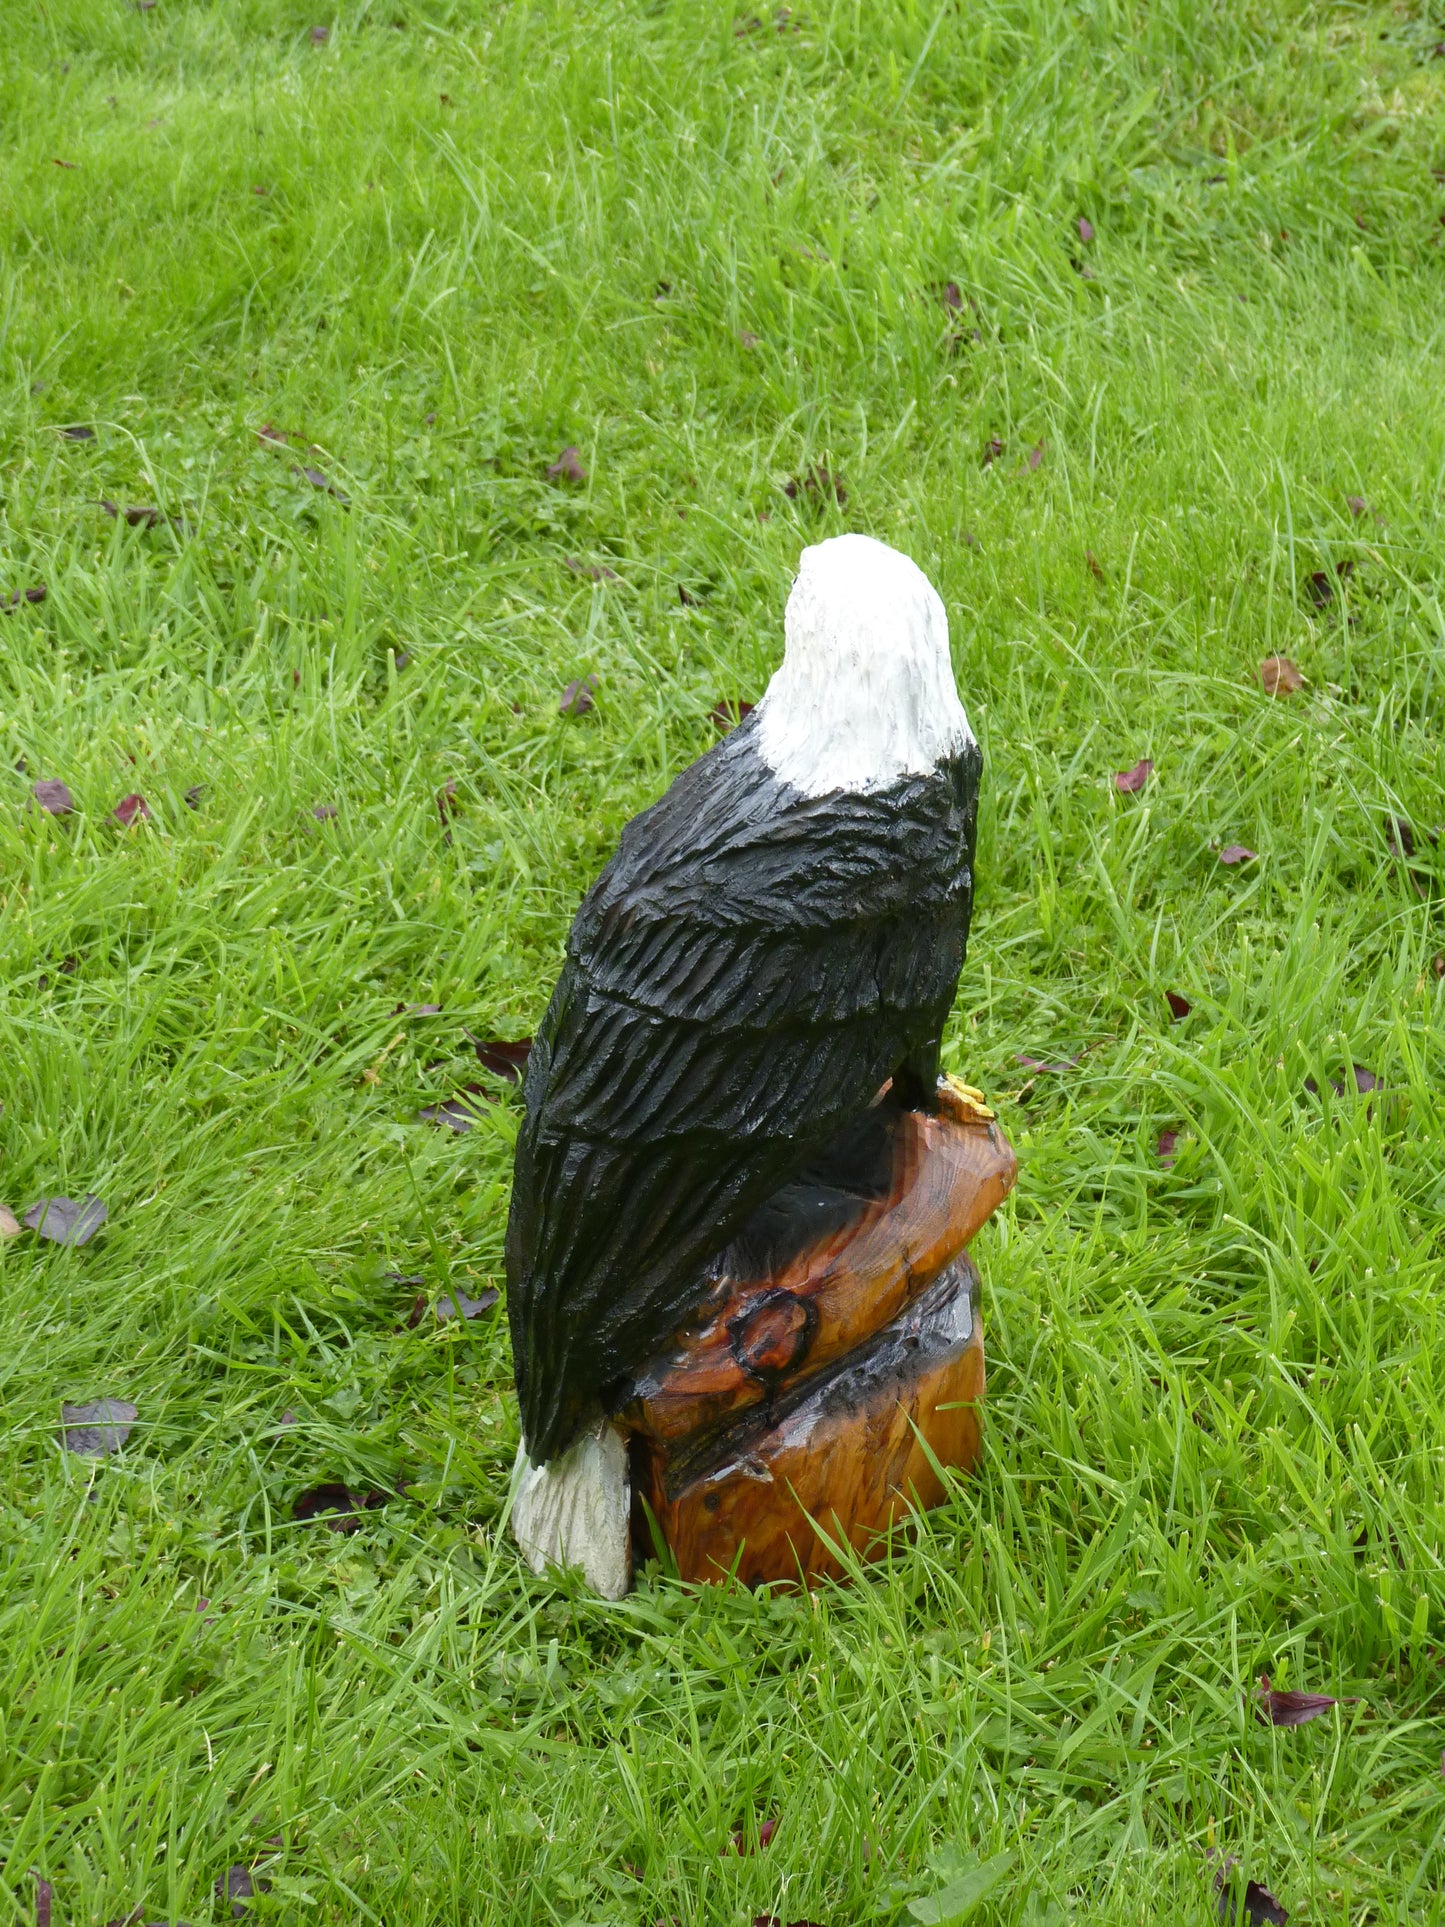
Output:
x,y
577,1510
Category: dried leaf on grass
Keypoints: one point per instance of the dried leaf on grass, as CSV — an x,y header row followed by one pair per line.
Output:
x,y
1178,1006
135,516
1320,587
67,1221
993,450
577,697
454,1112
1280,676
240,1884
568,466
1038,1064
131,809
1233,853
1165,1149
1086,228
54,797
503,1057
9,1223
815,486
320,481
44,1898
1129,780
336,1506
1252,1904
18,597
324,812
741,1844
458,1305
91,1431
1364,1081
727,713
1276,1706
77,431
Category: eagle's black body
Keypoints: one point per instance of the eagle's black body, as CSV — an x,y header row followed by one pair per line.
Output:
x,y
742,978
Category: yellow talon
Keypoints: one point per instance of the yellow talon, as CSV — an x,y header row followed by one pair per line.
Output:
x,y
969,1099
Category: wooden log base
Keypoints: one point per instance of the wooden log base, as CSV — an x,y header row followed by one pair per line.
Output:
x,y
851,1448
833,1387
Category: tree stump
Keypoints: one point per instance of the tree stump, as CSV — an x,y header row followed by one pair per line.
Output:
x,y
814,1399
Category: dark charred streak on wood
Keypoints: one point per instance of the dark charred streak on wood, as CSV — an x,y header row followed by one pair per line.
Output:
x,y
773,1336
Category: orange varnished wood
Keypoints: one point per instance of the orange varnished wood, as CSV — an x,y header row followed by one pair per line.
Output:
x,y
950,1173
832,1390
850,1457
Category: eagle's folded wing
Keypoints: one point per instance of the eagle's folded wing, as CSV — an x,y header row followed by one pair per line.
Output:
x,y
713,1027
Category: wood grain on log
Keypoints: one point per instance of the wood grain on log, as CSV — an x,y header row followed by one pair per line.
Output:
x,y
840,1459
832,1388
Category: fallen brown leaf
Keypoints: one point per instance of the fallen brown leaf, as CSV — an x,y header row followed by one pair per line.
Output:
x,y
1280,676
1233,853
1057,1070
317,480
135,516
240,1884
1179,1007
1254,1905
577,697
815,485
568,466
131,809
458,1305
335,1505
1279,1707
503,1057
1129,780
727,713
54,797
454,1112
67,1221
92,1431
17,597
740,1844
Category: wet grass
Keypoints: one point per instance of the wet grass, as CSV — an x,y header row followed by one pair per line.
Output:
x,y
714,257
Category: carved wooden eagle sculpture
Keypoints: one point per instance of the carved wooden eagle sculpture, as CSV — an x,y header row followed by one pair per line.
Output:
x,y
775,938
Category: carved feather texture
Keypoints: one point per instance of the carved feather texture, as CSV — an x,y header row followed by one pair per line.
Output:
x,y
746,972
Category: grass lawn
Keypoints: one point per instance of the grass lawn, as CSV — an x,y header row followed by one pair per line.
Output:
x,y
1127,321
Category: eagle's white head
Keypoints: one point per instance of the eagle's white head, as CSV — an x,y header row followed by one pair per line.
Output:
x,y
865,693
